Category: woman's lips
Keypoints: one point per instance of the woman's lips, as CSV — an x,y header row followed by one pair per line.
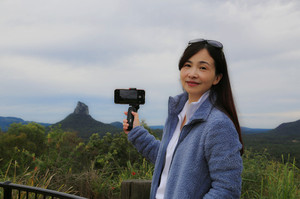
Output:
x,y
192,84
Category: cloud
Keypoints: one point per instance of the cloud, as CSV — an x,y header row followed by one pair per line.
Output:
x,y
55,53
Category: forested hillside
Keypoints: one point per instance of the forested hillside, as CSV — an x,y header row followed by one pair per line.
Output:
x,y
283,140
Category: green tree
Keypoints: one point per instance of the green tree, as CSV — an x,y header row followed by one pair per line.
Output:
x,y
113,150
12,149
35,137
65,152
22,143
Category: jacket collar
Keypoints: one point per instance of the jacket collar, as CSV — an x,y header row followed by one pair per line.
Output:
x,y
177,103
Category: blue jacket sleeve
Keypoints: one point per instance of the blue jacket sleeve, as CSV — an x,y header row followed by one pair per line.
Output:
x,y
144,142
222,152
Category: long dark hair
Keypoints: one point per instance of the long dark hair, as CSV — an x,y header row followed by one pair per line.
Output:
x,y
221,92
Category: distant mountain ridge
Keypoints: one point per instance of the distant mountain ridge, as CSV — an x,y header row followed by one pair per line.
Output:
x,y
246,130
84,124
284,133
283,140
5,122
291,128
81,122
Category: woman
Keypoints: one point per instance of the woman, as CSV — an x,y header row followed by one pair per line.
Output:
x,y
199,155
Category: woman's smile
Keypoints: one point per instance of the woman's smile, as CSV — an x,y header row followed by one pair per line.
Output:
x,y
192,83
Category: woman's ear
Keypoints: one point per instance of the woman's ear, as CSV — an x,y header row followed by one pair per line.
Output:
x,y
218,79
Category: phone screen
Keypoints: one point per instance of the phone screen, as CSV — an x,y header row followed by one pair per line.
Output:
x,y
129,96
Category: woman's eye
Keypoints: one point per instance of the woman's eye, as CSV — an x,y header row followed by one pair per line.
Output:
x,y
202,68
186,65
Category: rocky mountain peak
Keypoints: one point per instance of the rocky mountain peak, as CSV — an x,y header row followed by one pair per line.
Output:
x,y
81,108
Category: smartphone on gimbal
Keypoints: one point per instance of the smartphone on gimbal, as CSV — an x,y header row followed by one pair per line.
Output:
x,y
134,97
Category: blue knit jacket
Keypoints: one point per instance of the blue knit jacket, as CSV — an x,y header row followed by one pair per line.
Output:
x,y
206,162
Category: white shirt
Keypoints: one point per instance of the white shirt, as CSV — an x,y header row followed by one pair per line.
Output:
x,y
188,110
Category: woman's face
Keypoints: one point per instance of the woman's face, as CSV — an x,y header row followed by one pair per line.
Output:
x,y
198,75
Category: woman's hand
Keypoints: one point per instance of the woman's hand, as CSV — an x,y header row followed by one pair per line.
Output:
x,y
136,121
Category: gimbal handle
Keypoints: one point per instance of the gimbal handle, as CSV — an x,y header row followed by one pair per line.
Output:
x,y
130,117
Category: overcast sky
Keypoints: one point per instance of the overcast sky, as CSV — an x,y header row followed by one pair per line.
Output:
x,y
56,53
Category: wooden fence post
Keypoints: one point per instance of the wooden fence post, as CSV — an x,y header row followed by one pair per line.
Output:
x,y
135,189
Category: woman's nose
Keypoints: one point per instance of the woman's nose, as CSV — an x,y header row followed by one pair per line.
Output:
x,y
192,72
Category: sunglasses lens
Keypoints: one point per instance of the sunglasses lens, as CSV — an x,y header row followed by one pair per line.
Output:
x,y
196,41
213,43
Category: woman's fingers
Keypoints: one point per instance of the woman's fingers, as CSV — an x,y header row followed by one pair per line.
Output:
x,y
136,121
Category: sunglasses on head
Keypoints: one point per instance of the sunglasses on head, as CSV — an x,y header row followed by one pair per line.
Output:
x,y
213,43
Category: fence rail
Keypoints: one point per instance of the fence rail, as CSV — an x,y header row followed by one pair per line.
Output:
x,y
33,192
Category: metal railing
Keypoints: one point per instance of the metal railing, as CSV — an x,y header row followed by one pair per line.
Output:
x,y
32,192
